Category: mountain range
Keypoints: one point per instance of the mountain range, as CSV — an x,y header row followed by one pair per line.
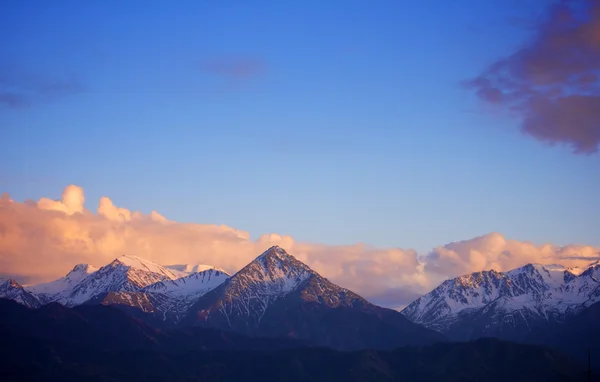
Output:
x,y
139,319
274,296
513,305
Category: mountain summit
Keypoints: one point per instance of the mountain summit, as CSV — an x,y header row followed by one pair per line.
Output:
x,y
124,274
278,296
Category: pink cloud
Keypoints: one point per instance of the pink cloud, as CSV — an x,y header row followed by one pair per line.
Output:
x,y
494,251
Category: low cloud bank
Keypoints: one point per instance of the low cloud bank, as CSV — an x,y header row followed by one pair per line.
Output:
x,y
41,241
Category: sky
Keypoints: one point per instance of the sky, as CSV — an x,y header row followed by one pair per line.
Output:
x,y
346,124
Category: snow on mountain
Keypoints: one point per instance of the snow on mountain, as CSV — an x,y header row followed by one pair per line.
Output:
x,y
278,296
484,303
145,265
125,274
12,290
191,286
168,300
270,276
247,295
188,269
62,287
274,273
128,281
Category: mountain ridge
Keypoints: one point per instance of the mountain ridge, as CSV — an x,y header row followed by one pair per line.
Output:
x,y
506,304
127,281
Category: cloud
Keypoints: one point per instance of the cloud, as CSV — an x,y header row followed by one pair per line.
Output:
x,y
552,83
395,298
71,202
235,68
494,251
20,89
41,241
107,209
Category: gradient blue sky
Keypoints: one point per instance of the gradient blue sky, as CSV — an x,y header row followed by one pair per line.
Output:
x,y
349,124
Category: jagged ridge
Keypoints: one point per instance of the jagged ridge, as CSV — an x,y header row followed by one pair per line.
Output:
x,y
506,304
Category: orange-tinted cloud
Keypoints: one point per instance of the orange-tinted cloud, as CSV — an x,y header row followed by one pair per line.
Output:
x,y
108,210
494,251
72,201
552,83
43,241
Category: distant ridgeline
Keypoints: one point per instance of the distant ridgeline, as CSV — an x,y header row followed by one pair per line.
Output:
x,y
278,302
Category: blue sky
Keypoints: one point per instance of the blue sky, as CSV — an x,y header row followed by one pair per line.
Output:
x,y
335,123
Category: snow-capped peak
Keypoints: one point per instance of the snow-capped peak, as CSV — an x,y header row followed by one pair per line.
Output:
x,y
276,252
274,272
125,274
145,265
12,290
128,276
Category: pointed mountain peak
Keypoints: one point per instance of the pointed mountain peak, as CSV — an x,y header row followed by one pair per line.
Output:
x,y
275,251
274,272
277,258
